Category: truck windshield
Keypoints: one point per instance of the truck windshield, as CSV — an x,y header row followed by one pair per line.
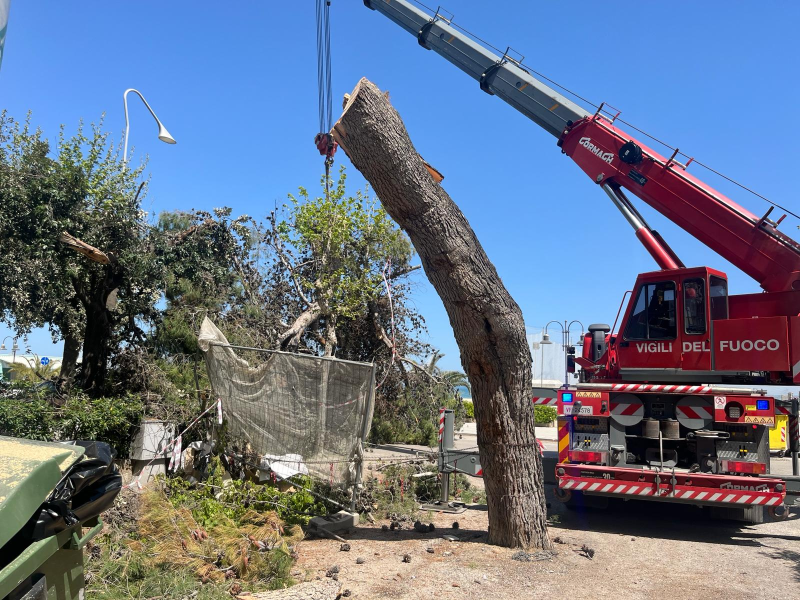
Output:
x,y
719,298
653,315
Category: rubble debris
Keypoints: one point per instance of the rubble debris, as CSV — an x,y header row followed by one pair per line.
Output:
x,y
587,552
332,571
523,556
429,550
422,528
344,547
406,558
455,525
360,560
319,590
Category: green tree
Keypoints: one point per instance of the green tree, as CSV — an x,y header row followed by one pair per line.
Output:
x,y
340,278
334,251
82,188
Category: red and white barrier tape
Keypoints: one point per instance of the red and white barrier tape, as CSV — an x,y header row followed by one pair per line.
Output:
x,y
540,400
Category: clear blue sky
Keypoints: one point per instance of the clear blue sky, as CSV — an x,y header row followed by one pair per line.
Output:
x,y
235,83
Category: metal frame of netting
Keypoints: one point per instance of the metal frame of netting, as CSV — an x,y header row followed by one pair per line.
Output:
x,y
293,413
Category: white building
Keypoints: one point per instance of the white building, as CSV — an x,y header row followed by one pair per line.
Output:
x,y
31,361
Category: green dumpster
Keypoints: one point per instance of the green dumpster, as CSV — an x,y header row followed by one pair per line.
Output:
x,y
50,568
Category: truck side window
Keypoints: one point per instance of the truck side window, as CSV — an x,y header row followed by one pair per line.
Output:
x,y
653,315
694,305
718,289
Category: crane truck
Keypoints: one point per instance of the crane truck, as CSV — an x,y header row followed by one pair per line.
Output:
x,y
660,412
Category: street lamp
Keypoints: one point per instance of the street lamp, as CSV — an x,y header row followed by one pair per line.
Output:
x,y
14,347
163,134
565,327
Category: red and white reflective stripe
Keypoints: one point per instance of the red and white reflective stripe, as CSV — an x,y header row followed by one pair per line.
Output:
x,y
642,489
633,407
627,409
545,401
783,434
676,389
782,410
441,424
694,412
730,497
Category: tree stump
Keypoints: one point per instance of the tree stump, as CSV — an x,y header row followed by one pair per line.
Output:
x,y
486,321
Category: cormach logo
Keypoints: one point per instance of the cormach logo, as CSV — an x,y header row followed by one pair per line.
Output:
x,y
598,152
748,488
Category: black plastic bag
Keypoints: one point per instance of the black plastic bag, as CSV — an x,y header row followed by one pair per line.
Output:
x,y
87,489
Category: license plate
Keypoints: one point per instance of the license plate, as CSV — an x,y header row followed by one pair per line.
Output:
x,y
584,410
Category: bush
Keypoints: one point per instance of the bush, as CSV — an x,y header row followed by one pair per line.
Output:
x,y
212,501
470,408
544,414
408,420
24,414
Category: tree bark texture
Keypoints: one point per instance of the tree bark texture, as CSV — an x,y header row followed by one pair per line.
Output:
x,y
486,321
99,328
69,361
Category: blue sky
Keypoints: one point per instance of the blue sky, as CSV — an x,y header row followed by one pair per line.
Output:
x,y
235,83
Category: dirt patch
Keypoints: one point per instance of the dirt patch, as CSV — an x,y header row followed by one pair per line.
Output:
x,y
630,550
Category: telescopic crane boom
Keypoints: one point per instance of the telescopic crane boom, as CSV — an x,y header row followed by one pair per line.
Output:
x,y
615,160
648,401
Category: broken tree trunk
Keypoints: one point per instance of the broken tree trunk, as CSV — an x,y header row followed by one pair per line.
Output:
x,y
486,321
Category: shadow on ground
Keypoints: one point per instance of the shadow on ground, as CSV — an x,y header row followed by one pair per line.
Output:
x,y
663,521
788,555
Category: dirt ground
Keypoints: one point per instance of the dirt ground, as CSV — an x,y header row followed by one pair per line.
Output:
x,y
641,550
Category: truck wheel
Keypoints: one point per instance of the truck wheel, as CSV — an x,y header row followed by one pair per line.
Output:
x,y
779,512
562,495
781,453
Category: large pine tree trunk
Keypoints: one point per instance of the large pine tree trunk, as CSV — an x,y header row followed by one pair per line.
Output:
x,y
486,321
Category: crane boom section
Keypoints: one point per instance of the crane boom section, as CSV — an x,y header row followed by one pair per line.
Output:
x,y
498,75
754,245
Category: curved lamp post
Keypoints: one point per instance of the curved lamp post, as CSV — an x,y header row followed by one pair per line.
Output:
x,y
565,327
163,134
14,348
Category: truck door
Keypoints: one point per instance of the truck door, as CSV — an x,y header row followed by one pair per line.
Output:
x,y
651,332
695,343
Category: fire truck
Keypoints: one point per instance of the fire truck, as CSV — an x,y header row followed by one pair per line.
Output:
x,y
667,407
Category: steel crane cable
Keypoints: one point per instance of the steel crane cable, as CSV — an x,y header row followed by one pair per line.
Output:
x,y
323,140
324,65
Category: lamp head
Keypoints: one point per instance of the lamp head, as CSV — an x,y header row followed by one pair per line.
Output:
x,y
164,135
2,346
546,339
